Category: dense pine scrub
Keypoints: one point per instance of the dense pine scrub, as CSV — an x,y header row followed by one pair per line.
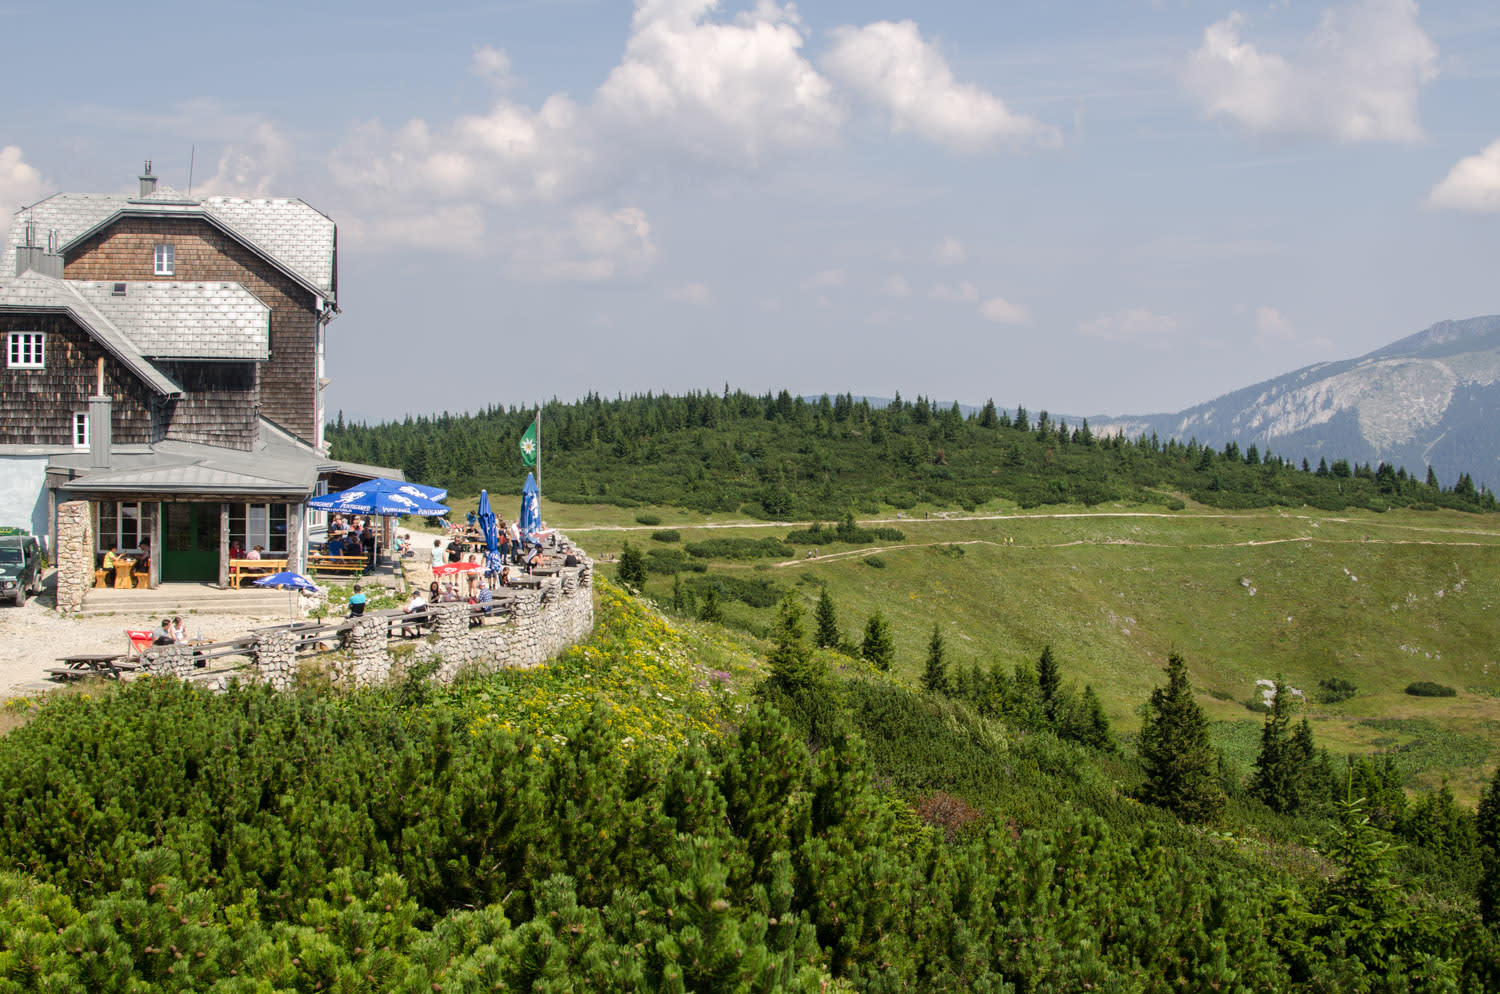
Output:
x,y
781,457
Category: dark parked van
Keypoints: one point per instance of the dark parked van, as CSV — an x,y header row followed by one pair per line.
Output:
x,y
20,567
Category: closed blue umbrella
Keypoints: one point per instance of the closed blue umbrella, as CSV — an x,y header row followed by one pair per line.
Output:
x,y
291,582
531,509
490,527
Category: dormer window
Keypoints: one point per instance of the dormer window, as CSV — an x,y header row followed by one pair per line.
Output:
x,y
26,350
166,260
118,290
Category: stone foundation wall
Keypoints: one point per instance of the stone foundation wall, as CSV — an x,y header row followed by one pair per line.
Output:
x,y
533,628
74,554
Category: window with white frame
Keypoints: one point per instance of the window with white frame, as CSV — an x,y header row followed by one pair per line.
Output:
x,y
120,525
26,349
80,429
259,524
166,260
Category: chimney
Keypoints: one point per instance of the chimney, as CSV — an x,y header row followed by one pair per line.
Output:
x,y
100,438
148,182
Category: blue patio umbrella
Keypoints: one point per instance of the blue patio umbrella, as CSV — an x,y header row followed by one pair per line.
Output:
x,y
531,508
416,489
383,497
489,526
292,583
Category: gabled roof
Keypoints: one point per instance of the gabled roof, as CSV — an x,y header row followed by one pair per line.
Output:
x,y
184,320
33,293
274,467
293,236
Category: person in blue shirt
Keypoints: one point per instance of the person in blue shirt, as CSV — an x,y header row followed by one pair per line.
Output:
x,y
336,545
356,602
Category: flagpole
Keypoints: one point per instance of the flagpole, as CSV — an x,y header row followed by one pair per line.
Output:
x,y
539,455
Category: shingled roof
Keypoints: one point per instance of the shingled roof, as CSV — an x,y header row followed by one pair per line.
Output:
x,y
294,236
32,292
167,320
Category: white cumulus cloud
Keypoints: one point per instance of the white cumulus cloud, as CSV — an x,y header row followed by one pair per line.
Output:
x,y
1473,184
950,252
20,182
595,245
248,168
893,67
1272,326
492,64
1357,77
958,293
896,286
1137,325
1001,311
719,91
690,293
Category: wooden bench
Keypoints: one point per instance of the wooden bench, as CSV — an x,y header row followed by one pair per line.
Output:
x,y
317,562
241,570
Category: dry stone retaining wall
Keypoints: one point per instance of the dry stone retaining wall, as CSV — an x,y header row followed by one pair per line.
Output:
x,y
75,554
532,628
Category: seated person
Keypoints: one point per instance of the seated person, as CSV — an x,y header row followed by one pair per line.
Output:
x,y
143,562
434,593
336,545
178,630
536,559
254,552
356,602
235,552
504,580
405,545
571,559
414,604
163,635
352,547
483,602
110,557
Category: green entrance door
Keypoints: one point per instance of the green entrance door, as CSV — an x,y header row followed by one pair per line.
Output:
x,y
190,539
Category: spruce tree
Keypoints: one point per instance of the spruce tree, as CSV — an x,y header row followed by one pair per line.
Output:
x,y
935,675
878,646
1275,781
793,668
1049,680
710,611
632,569
827,635
1182,771
1095,731
1488,829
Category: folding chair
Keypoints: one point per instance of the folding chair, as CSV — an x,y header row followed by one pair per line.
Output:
x,y
139,641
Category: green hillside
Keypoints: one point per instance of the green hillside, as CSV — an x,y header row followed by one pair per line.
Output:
x,y
1381,600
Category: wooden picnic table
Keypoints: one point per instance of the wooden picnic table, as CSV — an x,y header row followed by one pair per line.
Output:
x,y
79,666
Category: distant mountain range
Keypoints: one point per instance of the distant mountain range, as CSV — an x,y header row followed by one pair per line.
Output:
x,y
1431,399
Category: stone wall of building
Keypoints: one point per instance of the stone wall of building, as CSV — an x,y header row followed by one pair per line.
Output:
x,y
532,628
74,554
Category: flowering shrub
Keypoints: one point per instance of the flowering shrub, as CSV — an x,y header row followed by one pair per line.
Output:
x,y
636,673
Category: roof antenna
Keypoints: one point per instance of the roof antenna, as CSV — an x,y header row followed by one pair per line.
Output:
x,y
193,155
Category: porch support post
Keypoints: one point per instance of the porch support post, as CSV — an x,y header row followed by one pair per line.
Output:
x,y
295,513
223,545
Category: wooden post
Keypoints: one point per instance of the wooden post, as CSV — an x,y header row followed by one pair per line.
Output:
x,y
223,545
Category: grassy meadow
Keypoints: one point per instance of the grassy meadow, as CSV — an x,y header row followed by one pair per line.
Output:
x,y
1380,599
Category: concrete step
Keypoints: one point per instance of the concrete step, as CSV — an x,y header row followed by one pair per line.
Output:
x,y
184,598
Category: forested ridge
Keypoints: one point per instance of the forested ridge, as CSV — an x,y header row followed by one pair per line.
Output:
x,y
780,456
831,831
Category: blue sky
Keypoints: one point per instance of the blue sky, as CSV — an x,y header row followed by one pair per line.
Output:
x,y
1114,207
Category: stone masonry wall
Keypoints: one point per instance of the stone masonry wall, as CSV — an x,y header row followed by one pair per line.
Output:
x,y
74,553
533,628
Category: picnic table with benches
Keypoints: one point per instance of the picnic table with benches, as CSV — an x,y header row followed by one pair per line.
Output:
x,y
77,667
241,570
318,562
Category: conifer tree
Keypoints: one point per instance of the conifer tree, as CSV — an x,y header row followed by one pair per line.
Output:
x,y
632,569
935,675
1277,781
1095,731
878,646
710,611
793,668
1049,680
1182,772
827,635
1488,830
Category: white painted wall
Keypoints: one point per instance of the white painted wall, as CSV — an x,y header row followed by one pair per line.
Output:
x,y
23,493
